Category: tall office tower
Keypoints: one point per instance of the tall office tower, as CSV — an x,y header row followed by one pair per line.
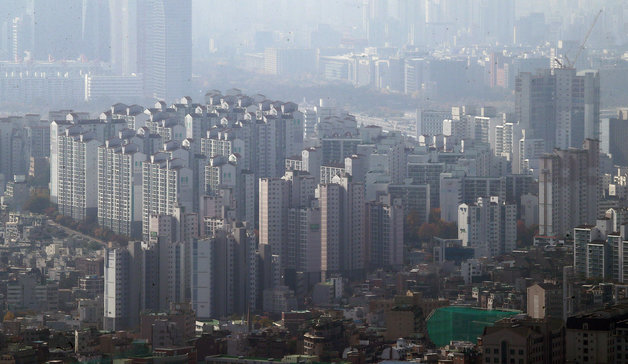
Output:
x,y
559,106
412,17
96,26
167,186
120,187
58,29
497,20
122,281
165,41
124,32
568,189
77,180
342,208
384,233
489,226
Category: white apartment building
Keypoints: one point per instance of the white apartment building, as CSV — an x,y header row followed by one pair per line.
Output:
x,y
167,184
77,159
120,187
489,226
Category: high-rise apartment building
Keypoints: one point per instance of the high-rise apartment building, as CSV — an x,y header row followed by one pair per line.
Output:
x,y
224,273
288,219
77,183
384,222
342,208
559,106
617,136
489,226
167,185
120,187
122,282
568,189
63,119
273,208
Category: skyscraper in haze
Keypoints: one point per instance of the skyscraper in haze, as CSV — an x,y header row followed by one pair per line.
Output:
x,y
124,30
57,29
96,30
165,47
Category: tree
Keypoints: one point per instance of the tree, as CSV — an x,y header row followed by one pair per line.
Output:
x,y
428,231
9,316
448,230
525,234
37,204
412,225
434,216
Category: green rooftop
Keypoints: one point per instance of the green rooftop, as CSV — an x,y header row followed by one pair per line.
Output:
x,y
461,323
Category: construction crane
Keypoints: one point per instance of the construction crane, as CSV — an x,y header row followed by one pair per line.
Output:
x,y
570,64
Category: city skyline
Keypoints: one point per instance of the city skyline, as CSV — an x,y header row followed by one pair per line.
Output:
x,y
315,181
